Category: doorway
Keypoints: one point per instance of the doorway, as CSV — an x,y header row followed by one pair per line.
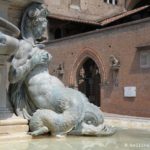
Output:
x,y
89,80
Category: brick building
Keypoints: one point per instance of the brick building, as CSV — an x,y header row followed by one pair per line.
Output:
x,y
86,9
95,10
83,61
64,15
82,37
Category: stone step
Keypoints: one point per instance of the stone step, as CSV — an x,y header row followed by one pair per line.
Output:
x,y
13,121
13,129
127,122
14,136
13,125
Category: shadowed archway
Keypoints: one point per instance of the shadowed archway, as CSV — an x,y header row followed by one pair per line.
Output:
x,y
86,56
89,80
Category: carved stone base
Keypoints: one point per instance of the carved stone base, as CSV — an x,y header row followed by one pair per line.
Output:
x,y
15,136
13,125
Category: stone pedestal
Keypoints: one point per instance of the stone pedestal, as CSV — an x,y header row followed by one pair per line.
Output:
x,y
5,107
9,122
13,125
4,9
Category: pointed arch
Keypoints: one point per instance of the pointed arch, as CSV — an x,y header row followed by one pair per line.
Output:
x,y
81,58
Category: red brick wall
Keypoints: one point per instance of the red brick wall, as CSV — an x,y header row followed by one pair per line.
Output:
x,y
120,41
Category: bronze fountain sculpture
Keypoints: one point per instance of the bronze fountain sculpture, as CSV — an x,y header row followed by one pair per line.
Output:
x,y
42,98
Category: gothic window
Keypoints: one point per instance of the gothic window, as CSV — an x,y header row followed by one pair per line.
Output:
x,y
113,2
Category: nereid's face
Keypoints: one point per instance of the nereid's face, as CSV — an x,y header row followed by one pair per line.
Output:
x,y
39,27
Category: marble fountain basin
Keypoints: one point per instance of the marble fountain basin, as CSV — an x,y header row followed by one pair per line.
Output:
x,y
124,139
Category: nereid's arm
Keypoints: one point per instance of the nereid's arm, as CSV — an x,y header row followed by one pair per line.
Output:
x,y
18,73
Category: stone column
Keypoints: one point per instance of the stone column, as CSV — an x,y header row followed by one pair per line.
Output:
x,y
9,122
4,9
5,107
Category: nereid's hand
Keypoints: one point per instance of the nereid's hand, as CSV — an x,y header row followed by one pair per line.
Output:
x,y
42,57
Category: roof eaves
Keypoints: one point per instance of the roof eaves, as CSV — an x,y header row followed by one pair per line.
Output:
x,y
66,18
125,14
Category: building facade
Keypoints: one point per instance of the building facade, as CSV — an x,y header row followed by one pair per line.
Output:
x,y
83,62
111,64
86,9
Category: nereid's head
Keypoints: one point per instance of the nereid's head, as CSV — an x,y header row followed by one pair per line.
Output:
x,y
34,22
